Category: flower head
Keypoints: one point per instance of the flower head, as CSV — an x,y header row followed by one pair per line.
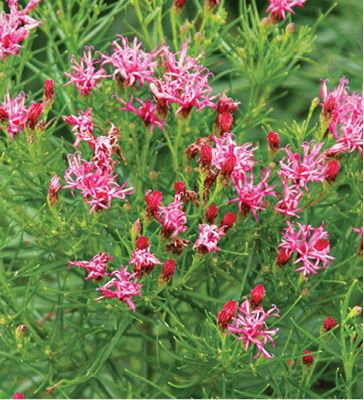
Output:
x,y
125,287
307,358
84,74
18,395
226,315
329,324
209,235
96,268
144,261
278,8
13,113
256,295
251,327
312,249
172,218
288,205
82,126
153,200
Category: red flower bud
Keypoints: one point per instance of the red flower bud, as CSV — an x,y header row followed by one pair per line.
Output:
x,y
167,271
205,156
141,243
256,295
231,307
226,104
273,141
329,323
332,171
228,221
153,201
18,395
4,115
34,112
211,213
48,93
307,358
53,191
225,316
226,122
178,6
283,257
228,166
321,244
179,187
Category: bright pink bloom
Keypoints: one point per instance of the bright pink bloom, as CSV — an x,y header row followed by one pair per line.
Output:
x,y
251,196
96,268
18,395
225,146
126,287
153,201
289,203
98,186
84,74
13,113
15,27
351,139
146,112
130,62
208,238
278,8
310,169
82,126
172,218
143,260
252,328
311,251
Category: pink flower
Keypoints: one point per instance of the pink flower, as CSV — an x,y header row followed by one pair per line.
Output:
x,y
310,169
172,218
289,203
251,196
278,8
96,268
153,201
146,112
351,139
18,395
82,126
209,235
125,287
252,328
84,74
15,27
312,252
144,261
13,113
225,146
98,186
130,62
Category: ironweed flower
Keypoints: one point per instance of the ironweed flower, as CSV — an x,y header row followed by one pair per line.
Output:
x,y
251,327
126,287
207,240
144,261
130,63
13,113
288,205
312,252
225,316
167,272
278,8
172,218
15,27
146,111
18,395
82,126
33,115
228,221
256,295
84,74
96,268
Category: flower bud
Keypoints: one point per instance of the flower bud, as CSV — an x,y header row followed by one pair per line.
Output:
x,y
321,244
48,94
53,191
228,166
205,157
33,115
290,363
211,213
329,324
226,104
141,243
226,121
256,295
210,5
225,316
18,395
167,272
290,28
153,201
4,115
228,221
273,141
20,332
265,22
283,257
178,6
307,358
136,228
355,311
179,187
332,171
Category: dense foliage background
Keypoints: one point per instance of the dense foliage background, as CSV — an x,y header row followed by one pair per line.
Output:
x,y
171,347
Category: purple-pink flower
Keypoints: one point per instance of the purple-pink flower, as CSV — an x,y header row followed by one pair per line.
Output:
x,y
251,327
250,196
130,62
82,126
172,218
312,248
96,268
278,8
308,169
125,287
146,111
208,238
13,113
144,261
98,186
15,27
288,205
84,74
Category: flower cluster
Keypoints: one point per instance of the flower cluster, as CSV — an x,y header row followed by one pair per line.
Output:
x,y
251,327
312,249
15,27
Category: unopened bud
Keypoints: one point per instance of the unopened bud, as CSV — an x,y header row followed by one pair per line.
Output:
x,y
283,257
20,332
307,358
273,141
18,395
228,221
355,311
211,213
332,171
329,324
256,295
167,272
179,187
153,176
54,187
290,363
265,22
226,315
226,122
33,115
48,94
137,227
228,166
210,5
141,243
178,6
290,28
205,157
